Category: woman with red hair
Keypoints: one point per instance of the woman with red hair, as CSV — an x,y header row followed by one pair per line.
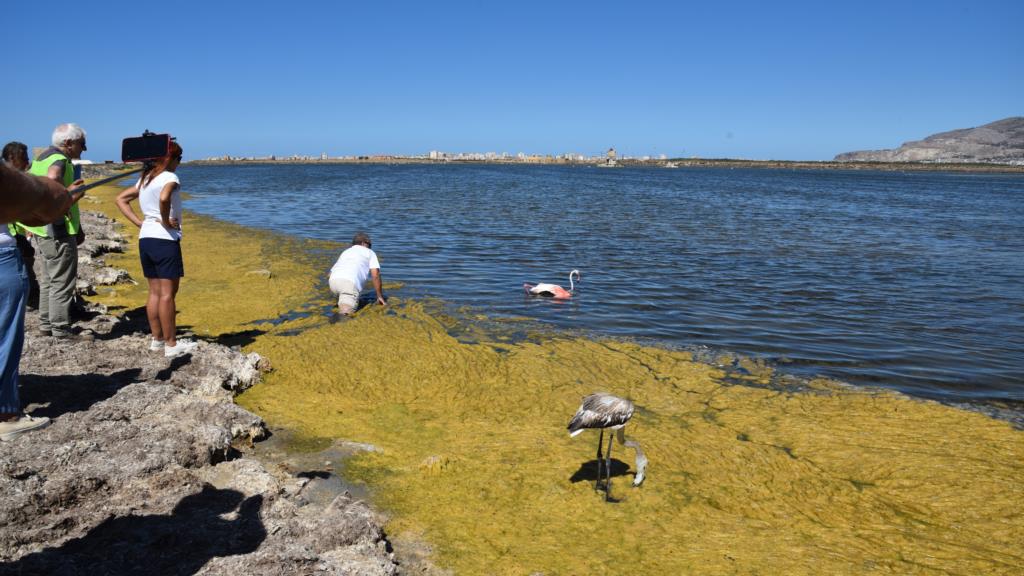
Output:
x,y
159,194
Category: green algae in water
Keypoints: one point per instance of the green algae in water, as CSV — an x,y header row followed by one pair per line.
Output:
x,y
474,457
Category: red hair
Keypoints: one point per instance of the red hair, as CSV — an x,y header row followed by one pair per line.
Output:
x,y
154,168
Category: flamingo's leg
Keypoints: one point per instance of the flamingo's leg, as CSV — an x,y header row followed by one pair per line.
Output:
x,y
608,472
600,442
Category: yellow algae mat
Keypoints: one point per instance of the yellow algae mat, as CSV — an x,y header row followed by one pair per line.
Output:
x,y
473,456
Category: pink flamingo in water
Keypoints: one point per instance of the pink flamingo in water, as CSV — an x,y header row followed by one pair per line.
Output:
x,y
552,290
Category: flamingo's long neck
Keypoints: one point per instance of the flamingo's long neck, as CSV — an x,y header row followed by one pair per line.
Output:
x,y
641,459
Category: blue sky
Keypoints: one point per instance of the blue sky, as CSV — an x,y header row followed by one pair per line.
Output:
x,y
782,80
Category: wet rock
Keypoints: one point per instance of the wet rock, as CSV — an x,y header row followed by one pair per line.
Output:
x,y
84,288
106,276
101,235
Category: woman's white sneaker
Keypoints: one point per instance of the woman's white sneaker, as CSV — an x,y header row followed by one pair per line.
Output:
x,y
156,345
181,347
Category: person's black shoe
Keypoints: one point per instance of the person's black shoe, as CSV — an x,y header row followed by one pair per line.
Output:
x,y
81,336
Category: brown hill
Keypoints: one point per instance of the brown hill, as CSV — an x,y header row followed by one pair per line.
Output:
x,y
1001,142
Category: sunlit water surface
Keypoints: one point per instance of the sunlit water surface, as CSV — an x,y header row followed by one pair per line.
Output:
x,y
910,281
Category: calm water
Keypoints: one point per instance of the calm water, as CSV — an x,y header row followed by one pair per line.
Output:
x,y
910,281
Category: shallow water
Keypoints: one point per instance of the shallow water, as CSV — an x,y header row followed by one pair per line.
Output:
x,y
909,281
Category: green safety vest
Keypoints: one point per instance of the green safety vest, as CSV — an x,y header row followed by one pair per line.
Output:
x,y
72,219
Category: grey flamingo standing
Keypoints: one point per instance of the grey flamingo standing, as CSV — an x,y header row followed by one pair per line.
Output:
x,y
605,411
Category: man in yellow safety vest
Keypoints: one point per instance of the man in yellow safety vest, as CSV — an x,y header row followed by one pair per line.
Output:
x,y
57,242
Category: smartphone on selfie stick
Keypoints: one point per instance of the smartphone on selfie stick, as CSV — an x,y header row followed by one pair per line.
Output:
x,y
149,146
145,148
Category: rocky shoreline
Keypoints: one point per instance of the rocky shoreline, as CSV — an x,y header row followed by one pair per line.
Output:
x,y
149,466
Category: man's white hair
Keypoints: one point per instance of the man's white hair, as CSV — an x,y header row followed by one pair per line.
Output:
x,y
65,132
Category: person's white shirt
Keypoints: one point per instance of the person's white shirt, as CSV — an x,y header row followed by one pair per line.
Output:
x,y
149,202
5,236
355,264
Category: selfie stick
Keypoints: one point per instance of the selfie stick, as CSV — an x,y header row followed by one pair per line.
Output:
x,y
92,185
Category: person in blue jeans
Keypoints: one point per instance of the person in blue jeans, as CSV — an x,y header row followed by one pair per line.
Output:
x,y
36,201
16,155
13,296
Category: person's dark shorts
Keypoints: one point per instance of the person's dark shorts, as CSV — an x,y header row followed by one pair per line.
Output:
x,y
161,258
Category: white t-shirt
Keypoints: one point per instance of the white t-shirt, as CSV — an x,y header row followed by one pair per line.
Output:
x,y
355,264
149,201
5,236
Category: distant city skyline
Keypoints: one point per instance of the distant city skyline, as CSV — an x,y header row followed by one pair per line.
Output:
x,y
439,155
778,81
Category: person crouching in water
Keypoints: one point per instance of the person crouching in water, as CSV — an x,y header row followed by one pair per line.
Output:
x,y
349,274
159,194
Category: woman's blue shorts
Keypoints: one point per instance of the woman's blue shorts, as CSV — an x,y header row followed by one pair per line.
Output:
x,y
161,258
